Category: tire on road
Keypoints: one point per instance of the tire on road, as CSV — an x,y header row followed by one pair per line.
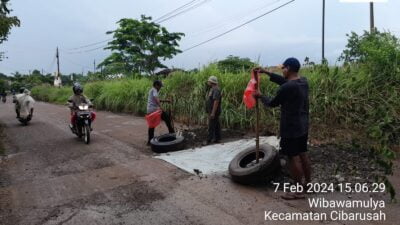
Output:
x,y
23,121
243,169
86,137
167,143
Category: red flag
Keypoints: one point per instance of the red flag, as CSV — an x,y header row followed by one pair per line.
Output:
x,y
248,97
153,119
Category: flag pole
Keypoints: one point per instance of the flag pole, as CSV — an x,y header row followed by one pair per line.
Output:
x,y
257,119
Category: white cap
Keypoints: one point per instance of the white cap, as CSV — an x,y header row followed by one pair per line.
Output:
x,y
213,79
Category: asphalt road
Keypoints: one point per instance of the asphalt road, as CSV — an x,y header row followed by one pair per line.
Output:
x,y
48,176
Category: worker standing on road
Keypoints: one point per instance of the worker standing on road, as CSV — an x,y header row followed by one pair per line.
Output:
x,y
154,104
292,97
213,109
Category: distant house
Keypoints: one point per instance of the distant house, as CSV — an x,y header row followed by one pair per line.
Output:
x,y
57,80
167,71
114,76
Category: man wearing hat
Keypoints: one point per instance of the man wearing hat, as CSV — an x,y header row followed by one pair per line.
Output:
x,y
292,97
153,104
213,109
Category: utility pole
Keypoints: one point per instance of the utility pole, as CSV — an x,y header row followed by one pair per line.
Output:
x,y
94,66
371,17
58,63
57,79
323,31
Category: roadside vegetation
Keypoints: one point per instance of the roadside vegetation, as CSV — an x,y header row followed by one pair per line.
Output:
x,y
7,22
358,100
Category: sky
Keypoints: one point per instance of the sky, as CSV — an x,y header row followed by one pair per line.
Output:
x,y
292,31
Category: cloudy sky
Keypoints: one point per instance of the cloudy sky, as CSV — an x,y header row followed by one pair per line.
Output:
x,y
294,30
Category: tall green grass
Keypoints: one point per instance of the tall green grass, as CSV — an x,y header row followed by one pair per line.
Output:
x,y
127,95
49,93
189,92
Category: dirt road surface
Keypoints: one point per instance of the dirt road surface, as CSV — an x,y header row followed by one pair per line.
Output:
x,y
48,176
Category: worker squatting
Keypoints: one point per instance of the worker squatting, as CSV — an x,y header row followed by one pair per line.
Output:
x,y
372,208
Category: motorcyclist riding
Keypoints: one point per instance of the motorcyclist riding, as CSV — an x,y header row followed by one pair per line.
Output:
x,y
15,100
77,99
3,95
24,103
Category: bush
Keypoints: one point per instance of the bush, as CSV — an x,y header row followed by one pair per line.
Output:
x,y
234,64
51,94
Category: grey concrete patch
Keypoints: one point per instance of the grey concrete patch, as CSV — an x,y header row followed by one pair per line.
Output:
x,y
212,159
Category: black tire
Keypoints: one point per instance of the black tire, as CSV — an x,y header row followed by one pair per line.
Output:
x,y
86,135
262,172
167,143
24,122
79,131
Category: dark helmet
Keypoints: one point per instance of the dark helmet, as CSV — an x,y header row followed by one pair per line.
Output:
x,y
21,90
77,88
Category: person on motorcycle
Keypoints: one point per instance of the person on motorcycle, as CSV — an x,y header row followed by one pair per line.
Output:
x,y
77,99
3,95
15,100
23,101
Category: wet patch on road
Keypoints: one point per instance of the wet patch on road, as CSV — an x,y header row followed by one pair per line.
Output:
x,y
80,166
6,213
107,207
5,179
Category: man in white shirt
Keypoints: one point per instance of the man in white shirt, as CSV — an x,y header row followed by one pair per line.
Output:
x,y
154,104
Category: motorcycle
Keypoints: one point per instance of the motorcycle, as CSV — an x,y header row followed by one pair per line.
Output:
x,y
83,122
24,105
25,119
4,98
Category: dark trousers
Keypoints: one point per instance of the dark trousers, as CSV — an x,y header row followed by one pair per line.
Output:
x,y
167,119
214,129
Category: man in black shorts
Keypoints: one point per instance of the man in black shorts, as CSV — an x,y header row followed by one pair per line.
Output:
x,y
292,97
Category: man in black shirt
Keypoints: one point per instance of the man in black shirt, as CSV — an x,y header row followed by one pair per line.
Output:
x,y
213,109
292,97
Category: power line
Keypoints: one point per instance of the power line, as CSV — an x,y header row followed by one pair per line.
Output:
x,y
89,50
184,11
75,63
173,11
52,63
96,43
189,6
89,45
94,49
233,18
165,18
239,26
